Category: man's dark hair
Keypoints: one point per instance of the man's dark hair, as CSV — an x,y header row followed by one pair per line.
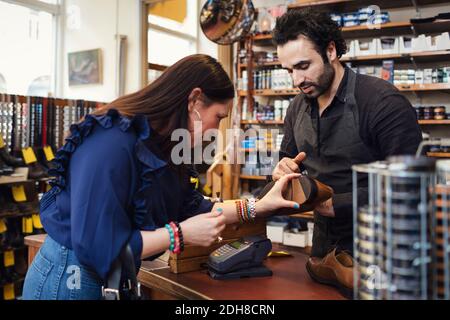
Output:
x,y
316,26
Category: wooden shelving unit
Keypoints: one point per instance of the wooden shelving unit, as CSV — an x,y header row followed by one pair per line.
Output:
x,y
438,154
262,122
247,177
424,87
289,92
367,31
351,5
434,122
402,87
362,31
426,56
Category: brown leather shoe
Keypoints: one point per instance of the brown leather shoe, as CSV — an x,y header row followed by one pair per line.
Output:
x,y
333,269
306,191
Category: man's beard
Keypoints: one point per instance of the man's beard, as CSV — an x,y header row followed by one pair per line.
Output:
x,y
323,84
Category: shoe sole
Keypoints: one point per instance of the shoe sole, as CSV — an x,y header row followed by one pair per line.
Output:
x,y
346,292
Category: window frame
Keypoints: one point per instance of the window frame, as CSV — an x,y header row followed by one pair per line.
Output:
x,y
56,11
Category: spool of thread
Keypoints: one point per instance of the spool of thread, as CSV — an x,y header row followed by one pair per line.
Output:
x,y
439,113
428,113
419,113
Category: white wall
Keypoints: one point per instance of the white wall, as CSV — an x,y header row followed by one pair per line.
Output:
x,y
100,20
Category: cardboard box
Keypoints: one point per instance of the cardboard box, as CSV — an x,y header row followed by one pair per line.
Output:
x,y
405,44
419,44
443,42
350,49
388,45
366,47
275,231
296,239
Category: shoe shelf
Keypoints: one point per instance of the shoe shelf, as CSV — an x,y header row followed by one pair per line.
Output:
x,y
2,250
16,214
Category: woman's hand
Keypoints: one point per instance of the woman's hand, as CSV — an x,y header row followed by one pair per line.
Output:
x,y
274,200
203,229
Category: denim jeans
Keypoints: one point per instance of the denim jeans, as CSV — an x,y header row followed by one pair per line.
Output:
x,y
56,274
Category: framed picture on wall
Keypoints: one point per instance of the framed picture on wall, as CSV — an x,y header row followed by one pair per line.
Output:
x,y
85,67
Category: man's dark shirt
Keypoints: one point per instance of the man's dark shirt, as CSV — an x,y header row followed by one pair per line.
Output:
x,y
387,124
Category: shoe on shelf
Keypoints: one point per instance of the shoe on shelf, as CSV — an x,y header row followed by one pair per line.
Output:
x,y
335,269
36,171
7,206
10,160
42,159
5,169
306,191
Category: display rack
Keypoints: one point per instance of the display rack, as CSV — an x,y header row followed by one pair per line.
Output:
x,y
361,31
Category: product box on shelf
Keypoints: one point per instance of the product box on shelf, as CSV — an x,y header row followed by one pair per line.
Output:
x,y
295,238
443,41
405,44
350,49
275,231
388,45
366,47
387,72
420,43
428,76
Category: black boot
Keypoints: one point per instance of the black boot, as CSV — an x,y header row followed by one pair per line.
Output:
x,y
42,159
36,171
10,160
4,169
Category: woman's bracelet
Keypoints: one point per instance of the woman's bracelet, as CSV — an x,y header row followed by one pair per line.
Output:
x,y
178,237
246,210
172,237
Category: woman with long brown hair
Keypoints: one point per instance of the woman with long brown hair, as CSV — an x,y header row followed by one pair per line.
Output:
x,y
116,185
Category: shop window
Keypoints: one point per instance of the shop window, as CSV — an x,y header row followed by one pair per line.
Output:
x,y
172,34
30,50
40,87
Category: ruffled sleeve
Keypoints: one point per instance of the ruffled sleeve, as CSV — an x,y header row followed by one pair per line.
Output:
x,y
101,223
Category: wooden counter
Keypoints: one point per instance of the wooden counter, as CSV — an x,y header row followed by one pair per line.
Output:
x,y
290,281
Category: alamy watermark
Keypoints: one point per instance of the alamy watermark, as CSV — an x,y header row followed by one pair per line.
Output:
x,y
199,147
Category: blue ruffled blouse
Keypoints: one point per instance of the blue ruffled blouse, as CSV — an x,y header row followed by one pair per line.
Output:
x,y
109,186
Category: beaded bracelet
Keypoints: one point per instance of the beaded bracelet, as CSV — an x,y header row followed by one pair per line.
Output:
x,y
176,249
242,210
180,233
246,210
238,211
252,208
172,237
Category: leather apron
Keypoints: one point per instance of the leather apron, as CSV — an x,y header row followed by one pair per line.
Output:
x,y
332,145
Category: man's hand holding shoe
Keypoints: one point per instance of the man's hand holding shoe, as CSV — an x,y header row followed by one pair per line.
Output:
x,y
288,165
